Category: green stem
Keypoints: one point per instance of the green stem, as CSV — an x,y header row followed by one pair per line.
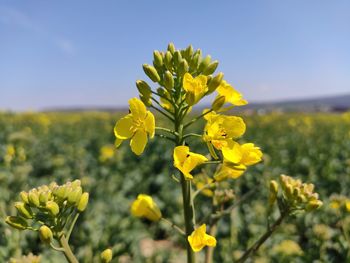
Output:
x,y
67,250
192,135
197,118
162,112
178,229
72,225
165,130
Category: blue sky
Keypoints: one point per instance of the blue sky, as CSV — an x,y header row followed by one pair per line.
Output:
x,y
89,53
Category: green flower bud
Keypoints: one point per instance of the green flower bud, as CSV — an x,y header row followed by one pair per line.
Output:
x,y
33,198
161,91
146,100
168,80
215,82
143,88
17,222
177,58
53,185
289,190
76,183
273,187
183,67
296,192
157,59
83,202
53,208
171,48
188,52
106,255
44,197
24,210
211,68
168,61
314,204
194,62
24,196
204,63
75,195
151,72
45,234
61,192
218,103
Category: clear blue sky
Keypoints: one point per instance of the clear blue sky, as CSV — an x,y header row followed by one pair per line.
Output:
x,y
89,53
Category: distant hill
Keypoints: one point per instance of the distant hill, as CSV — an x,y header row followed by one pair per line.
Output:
x,y
332,103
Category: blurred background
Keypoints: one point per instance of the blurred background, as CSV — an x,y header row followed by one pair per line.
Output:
x,y
68,68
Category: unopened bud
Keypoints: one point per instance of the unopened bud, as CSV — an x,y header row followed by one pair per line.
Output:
x,y
33,198
183,67
204,63
106,255
24,196
168,61
143,88
75,195
215,82
188,52
76,183
273,186
16,222
171,48
314,204
24,210
83,202
61,192
157,59
168,80
146,100
218,103
44,197
53,208
195,61
45,234
177,58
151,72
210,69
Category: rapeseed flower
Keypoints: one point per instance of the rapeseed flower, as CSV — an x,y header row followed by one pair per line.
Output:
x,y
195,88
144,206
231,95
135,126
186,161
199,239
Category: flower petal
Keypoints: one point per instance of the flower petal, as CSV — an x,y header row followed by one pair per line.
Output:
x,y
122,128
137,108
138,142
150,124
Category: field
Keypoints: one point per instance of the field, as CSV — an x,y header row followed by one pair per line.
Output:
x,y
37,148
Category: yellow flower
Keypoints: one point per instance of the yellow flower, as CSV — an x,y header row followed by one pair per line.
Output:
x,y
144,206
106,153
195,87
186,161
199,239
221,129
231,95
135,126
236,159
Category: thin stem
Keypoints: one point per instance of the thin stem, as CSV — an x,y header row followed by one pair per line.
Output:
x,y
163,113
202,188
160,105
165,137
178,229
72,225
197,118
192,135
67,250
60,249
165,130
212,162
263,238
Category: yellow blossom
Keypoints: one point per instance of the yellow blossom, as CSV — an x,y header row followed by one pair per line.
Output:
x,y
106,153
220,129
195,87
135,126
231,95
144,206
347,205
186,161
199,239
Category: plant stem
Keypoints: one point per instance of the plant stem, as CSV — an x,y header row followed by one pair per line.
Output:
x,y
178,229
197,118
67,250
263,238
162,112
72,225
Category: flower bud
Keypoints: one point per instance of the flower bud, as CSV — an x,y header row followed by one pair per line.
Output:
x,y
171,48
210,69
157,59
45,234
161,91
215,82
183,67
60,192
146,100
218,103
195,61
75,195
106,255
273,187
16,222
168,61
143,88
204,64
151,72
144,206
188,52
24,210
177,58
44,197
314,204
76,183
53,208
33,198
168,80
83,202
24,196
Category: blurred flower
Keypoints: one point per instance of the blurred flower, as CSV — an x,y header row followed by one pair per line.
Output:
x,y
135,126
106,153
288,248
186,161
144,206
199,239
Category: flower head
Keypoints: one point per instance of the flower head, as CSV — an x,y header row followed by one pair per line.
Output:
x,y
231,95
144,206
199,239
195,87
186,161
220,129
135,126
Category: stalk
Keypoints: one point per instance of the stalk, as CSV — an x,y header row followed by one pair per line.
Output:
x,y
67,250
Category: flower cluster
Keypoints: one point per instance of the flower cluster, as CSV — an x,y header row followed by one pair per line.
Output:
x,y
48,208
